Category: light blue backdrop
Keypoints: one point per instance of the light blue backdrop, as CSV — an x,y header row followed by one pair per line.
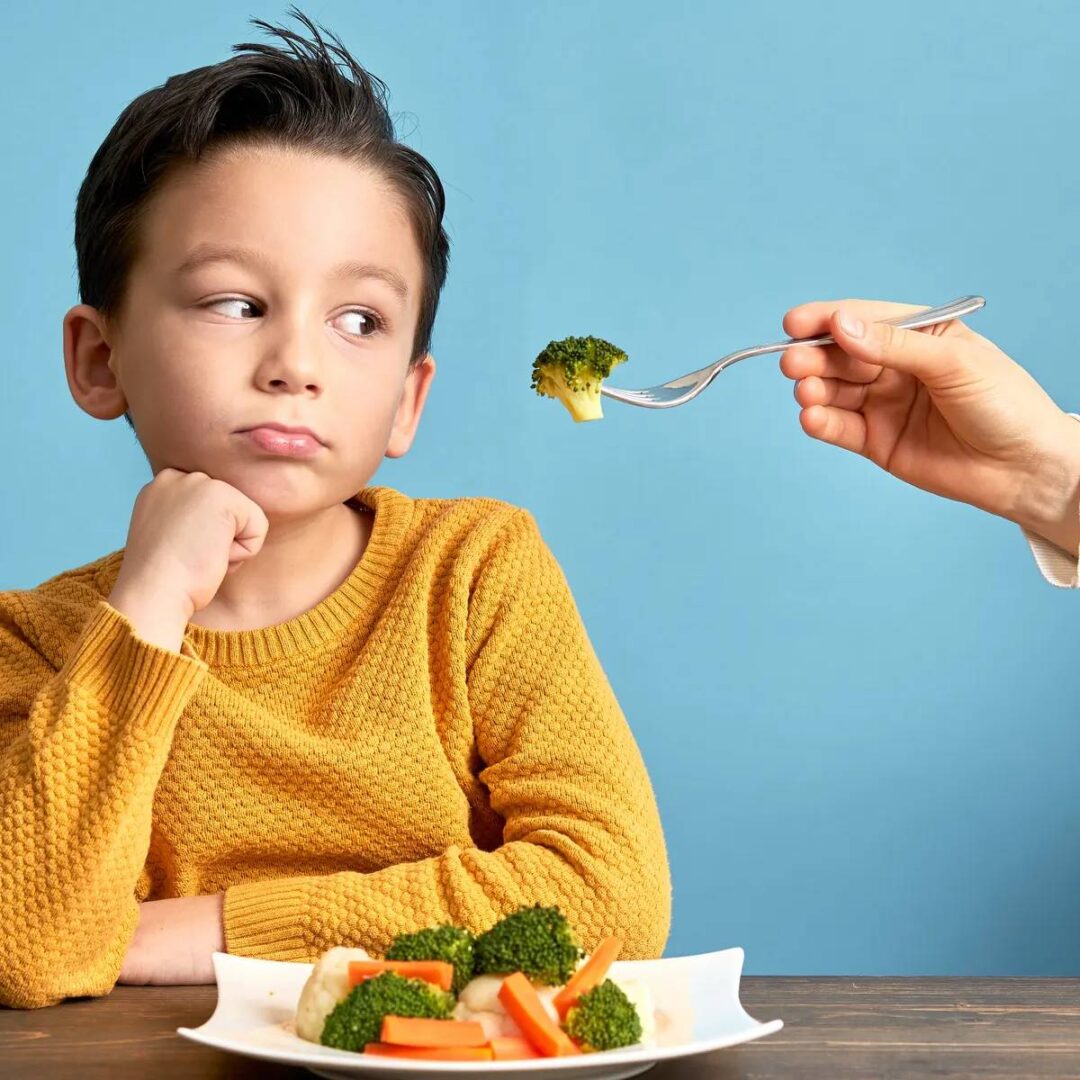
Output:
x,y
859,704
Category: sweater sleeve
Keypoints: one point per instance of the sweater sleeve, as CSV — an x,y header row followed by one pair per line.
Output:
x,y
1058,567
581,826
81,751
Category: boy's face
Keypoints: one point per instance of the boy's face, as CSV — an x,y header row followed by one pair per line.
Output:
x,y
309,324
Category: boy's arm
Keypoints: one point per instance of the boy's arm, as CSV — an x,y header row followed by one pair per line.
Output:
x,y
562,768
81,751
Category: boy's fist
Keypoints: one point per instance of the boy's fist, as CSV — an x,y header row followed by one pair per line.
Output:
x,y
187,532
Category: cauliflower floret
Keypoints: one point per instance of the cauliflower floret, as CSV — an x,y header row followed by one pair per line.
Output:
x,y
482,994
495,1024
479,1001
327,984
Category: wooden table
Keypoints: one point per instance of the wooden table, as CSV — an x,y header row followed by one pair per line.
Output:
x,y
834,1028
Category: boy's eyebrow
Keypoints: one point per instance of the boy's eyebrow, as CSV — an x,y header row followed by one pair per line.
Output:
x,y
212,253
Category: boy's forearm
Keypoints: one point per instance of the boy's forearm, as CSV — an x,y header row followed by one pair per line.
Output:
x,y
77,783
299,918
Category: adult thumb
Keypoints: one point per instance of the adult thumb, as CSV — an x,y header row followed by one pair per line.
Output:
x,y
934,359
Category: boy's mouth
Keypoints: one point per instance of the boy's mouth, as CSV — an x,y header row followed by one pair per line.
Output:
x,y
283,440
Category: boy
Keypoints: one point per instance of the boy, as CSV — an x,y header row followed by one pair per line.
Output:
x,y
294,711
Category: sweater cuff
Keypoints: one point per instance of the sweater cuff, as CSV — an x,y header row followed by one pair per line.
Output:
x,y
268,919
1057,566
129,675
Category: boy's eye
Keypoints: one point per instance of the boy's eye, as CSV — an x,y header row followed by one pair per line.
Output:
x,y
368,323
242,303
365,323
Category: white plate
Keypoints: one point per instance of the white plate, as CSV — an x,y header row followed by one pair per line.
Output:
x,y
697,1004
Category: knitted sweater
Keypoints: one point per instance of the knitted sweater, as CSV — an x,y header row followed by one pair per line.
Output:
x,y
434,741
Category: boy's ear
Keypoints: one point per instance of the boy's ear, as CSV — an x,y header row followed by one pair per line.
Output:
x,y
407,419
87,362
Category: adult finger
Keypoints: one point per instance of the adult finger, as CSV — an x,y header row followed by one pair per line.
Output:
x,y
841,427
936,359
828,362
812,318
844,395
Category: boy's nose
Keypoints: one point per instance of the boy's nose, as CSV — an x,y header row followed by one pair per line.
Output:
x,y
291,367
291,383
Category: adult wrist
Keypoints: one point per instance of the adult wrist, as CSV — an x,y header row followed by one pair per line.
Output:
x,y
1048,501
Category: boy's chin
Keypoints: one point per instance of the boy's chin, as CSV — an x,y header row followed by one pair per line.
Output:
x,y
284,497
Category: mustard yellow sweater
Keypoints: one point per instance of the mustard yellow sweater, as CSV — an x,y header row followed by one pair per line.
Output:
x,y
435,741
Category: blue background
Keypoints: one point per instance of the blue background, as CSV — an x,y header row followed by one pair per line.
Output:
x,y
858,702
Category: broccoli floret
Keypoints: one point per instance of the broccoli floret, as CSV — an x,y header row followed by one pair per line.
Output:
x,y
535,940
451,944
572,370
357,1020
604,1018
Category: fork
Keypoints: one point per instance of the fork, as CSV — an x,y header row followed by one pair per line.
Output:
x,y
687,387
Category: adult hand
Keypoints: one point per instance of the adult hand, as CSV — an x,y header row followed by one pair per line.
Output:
x,y
940,407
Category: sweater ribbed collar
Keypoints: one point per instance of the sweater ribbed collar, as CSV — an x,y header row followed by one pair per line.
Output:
x,y
354,604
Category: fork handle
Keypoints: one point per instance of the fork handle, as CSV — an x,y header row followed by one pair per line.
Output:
x,y
963,305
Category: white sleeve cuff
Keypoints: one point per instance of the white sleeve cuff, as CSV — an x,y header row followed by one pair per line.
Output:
x,y
1057,566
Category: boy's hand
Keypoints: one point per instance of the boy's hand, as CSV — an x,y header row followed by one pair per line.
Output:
x,y
941,408
187,532
174,942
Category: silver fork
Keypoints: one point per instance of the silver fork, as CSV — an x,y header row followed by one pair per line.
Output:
x,y
687,387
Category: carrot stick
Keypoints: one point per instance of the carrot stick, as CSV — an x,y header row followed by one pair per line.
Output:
x,y
525,1008
512,1048
419,1031
587,977
431,1053
432,971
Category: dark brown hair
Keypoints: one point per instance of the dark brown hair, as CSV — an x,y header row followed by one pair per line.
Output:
x,y
301,94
